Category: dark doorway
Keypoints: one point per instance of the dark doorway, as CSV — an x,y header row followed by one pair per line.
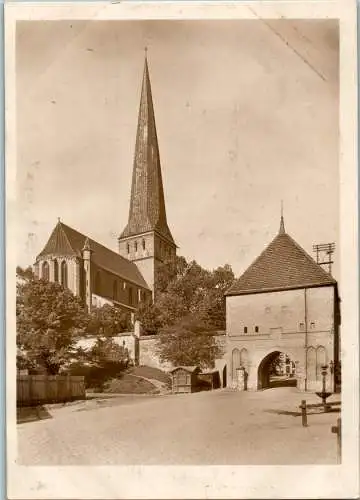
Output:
x,y
224,377
276,370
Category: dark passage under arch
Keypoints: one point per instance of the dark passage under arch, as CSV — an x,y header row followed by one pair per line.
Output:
x,y
276,370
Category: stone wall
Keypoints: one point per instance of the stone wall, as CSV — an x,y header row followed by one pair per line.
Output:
x,y
148,355
298,323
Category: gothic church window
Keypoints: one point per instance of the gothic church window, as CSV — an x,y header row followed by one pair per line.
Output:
x,y
56,271
128,248
245,329
45,271
98,283
64,274
311,364
115,290
256,329
143,244
136,246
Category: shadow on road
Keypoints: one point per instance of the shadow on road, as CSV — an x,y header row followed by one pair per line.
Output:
x,y
31,414
313,411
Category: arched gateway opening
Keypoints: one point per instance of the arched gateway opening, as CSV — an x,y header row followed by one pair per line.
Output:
x,y
276,370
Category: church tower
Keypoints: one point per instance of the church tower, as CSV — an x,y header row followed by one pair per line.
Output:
x,y
146,239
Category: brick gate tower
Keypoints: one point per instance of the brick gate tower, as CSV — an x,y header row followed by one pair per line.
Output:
x,y
146,239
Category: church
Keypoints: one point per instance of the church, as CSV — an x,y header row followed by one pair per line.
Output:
x,y
125,277
284,306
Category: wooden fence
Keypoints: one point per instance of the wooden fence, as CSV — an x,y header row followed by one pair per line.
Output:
x,y
41,389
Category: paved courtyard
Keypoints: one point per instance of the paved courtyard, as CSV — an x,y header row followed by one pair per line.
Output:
x,y
209,428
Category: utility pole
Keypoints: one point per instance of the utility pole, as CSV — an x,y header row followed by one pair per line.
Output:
x,y
324,252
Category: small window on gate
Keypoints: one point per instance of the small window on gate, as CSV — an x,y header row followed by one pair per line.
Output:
x,y
245,329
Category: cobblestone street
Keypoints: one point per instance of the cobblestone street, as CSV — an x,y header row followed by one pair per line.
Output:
x,y
218,428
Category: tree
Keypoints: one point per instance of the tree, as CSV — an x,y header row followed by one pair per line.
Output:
x,y
150,317
49,321
189,342
26,274
108,321
106,352
191,290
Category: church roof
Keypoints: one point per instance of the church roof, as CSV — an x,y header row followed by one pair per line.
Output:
x,y
147,204
283,265
66,241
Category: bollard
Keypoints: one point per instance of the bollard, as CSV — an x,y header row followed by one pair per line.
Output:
x,y
336,429
303,413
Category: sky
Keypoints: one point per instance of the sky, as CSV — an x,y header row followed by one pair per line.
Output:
x,y
246,114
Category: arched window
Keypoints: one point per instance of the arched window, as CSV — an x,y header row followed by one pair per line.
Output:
x,y
244,359
45,271
235,363
115,290
130,296
311,364
56,271
136,246
128,248
143,244
98,283
320,361
64,274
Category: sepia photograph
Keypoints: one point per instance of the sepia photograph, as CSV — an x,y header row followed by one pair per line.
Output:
x,y
176,209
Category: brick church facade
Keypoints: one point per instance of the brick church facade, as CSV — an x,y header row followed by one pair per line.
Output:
x,y
125,277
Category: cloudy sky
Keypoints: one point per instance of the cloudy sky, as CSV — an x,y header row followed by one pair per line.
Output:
x,y
247,116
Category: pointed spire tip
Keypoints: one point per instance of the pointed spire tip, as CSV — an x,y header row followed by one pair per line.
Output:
x,y
282,223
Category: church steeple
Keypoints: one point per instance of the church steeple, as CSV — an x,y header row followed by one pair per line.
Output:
x,y
147,205
147,238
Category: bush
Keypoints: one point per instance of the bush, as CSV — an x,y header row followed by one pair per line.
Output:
x,y
96,375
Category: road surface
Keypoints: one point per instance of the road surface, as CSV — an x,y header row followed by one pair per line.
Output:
x,y
209,428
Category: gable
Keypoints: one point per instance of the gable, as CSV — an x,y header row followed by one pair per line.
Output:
x,y
66,241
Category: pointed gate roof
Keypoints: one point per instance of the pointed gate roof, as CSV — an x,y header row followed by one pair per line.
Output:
x,y
283,265
147,204
65,241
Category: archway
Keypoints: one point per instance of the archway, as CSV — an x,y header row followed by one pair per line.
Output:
x,y
276,370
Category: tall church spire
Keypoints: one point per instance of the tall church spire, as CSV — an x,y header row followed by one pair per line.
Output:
x,y
146,239
147,205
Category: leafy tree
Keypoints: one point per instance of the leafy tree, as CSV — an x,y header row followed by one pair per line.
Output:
x,y
188,342
188,310
106,352
49,320
168,271
108,321
150,317
26,274
191,290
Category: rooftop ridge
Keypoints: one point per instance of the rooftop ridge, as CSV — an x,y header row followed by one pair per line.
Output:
x,y
283,264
